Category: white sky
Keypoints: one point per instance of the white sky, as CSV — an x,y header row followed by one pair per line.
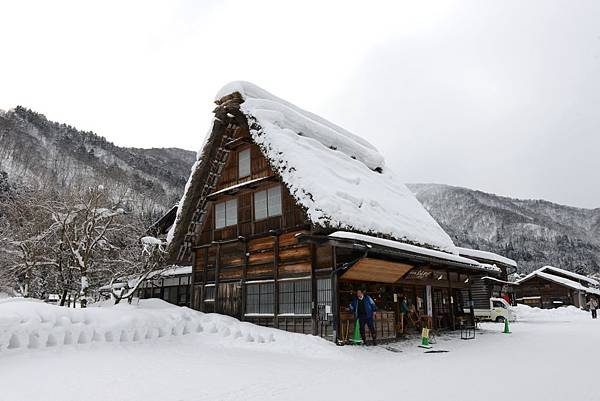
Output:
x,y
501,96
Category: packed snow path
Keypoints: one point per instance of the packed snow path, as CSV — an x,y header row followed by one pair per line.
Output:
x,y
551,355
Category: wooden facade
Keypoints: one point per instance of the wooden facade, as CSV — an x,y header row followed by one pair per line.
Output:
x,y
550,287
493,283
172,288
545,294
256,256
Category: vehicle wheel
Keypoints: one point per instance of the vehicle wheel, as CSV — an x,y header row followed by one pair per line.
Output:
x,y
500,319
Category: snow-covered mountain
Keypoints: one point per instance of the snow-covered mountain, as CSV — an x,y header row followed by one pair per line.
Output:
x,y
532,232
37,152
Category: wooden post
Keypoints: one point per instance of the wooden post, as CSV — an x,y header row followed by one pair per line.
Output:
x,y
334,297
276,282
313,284
243,283
471,303
451,300
217,274
190,293
204,278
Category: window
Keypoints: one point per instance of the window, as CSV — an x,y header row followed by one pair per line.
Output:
x,y
259,298
209,293
244,163
498,304
324,291
226,213
295,297
267,203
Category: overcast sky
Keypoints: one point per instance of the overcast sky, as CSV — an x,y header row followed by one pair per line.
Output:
x,y
501,96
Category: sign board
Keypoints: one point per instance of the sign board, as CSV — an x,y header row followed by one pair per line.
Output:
x,y
324,312
419,274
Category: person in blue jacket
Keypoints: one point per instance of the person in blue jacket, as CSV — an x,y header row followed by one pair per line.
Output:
x,y
364,309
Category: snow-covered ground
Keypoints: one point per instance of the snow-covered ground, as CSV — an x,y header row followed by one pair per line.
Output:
x,y
154,351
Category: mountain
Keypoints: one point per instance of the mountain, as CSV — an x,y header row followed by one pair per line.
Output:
x,y
532,232
40,153
37,152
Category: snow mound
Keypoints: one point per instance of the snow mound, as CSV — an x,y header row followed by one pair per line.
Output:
x,y
526,313
27,325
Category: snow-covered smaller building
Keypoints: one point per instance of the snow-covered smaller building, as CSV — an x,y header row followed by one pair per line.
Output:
x,y
552,287
171,285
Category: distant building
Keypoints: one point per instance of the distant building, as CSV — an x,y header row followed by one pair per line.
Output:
x,y
171,285
551,287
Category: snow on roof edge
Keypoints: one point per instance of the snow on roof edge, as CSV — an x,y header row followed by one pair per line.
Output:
x,y
476,253
559,280
572,274
405,247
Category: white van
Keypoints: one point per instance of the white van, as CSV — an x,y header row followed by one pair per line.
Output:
x,y
499,311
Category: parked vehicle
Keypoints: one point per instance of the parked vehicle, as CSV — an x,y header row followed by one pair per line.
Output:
x,y
498,311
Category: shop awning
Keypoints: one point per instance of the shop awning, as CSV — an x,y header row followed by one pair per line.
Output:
x,y
376,270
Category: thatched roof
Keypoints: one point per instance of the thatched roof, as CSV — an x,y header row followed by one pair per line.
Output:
x,y
339,179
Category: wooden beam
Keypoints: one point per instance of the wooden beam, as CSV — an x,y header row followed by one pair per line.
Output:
x,y
451,300
243,282
217,274
334,297
276,282
471,304
191,282
313,289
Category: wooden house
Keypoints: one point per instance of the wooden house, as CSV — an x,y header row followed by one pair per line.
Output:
x,y
494,283
285,215
171,285
552,287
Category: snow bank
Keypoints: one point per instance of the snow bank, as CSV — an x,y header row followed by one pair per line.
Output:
x,y
26,324
526,313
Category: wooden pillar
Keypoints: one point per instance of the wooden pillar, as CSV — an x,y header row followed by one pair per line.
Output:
x,y
451,300
204,278
191,290
471,303
276,282
313,289
243,282
334,297
217,274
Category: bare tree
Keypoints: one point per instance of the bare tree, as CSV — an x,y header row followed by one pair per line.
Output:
x,y
87,225
152,262
24,240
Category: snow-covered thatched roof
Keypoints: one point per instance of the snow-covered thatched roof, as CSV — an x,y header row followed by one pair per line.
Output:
x,y
339,178
559,280
553,271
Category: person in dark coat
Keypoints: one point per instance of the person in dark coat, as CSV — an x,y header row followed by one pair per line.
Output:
x,y
593,305
364,309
